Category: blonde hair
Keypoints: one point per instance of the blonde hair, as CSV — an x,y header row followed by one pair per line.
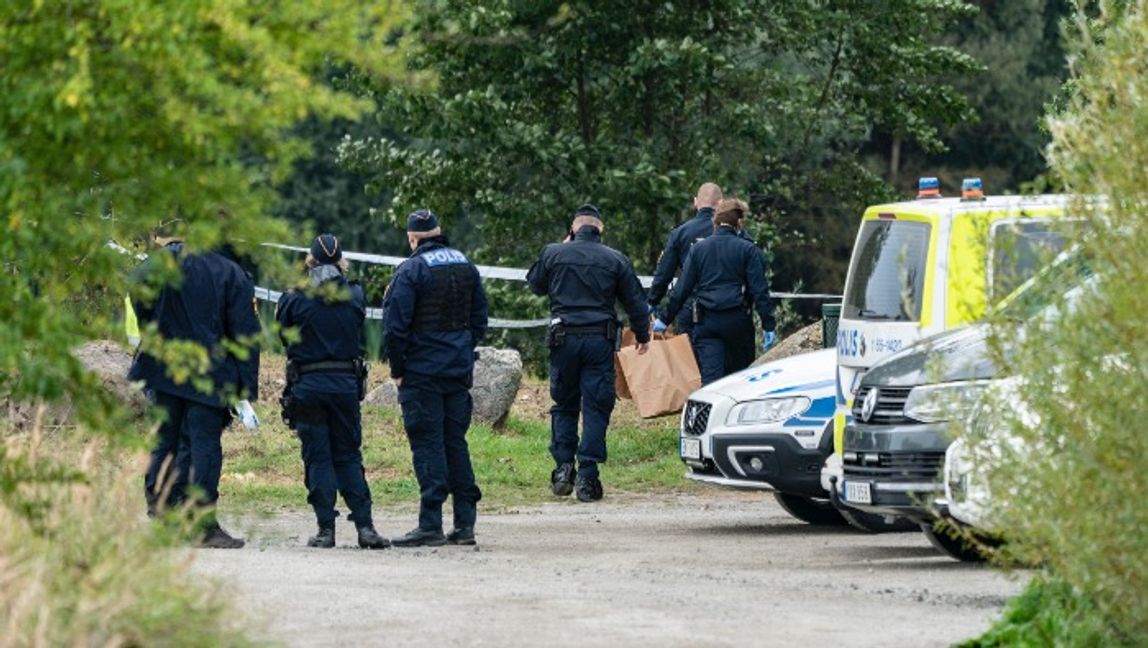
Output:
x,y
343,264
418,236
729,212
586,219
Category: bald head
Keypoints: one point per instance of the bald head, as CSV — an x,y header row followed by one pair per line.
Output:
x,y
709,195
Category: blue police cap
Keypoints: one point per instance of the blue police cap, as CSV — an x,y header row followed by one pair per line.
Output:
x,y
421,220
325,249
589,210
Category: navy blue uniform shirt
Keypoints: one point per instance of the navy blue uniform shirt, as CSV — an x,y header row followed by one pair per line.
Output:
x,y
724,271
330,323
213,301
584,279
434,349
678,244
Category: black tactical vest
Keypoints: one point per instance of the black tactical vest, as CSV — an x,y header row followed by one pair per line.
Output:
x,y
445,304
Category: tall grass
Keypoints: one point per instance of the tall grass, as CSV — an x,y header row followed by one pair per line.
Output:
x,y
82,567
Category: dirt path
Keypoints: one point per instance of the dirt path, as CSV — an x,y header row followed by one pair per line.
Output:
x,y
721,569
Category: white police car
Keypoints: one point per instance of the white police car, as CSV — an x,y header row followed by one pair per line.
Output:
x,y
770,428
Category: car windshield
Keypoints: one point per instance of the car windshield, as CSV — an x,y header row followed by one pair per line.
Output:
x,y
887,277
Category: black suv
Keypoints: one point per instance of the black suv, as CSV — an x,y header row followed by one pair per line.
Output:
x,y
895,447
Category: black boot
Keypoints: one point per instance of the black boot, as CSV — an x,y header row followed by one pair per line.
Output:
x,y
214,537
589,489
370,539
461,536
562,480
324,539
421,538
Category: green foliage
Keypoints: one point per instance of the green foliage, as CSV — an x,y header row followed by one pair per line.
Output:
x,y
540,106
1019,47
1048,613
1078,461
119,114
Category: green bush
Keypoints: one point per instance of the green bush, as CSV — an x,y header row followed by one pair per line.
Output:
x,y
1069,490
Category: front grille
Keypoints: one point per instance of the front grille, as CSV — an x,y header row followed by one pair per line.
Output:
x,y
696,417
896,466
890,409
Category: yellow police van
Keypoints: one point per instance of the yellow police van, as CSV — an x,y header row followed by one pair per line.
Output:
x,y
924,266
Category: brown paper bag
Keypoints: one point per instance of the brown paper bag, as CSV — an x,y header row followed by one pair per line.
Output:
x,y
621,388
662,379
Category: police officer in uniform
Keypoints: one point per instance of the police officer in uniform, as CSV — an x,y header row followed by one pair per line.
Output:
x,y
434,316
584,279
678,244
212,305
726,275
325,382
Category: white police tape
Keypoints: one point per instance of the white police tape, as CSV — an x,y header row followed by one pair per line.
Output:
x,y
488,272
268,294
514,274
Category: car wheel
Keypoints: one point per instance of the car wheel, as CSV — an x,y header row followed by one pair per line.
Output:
x,y
818,512
955,543
874,523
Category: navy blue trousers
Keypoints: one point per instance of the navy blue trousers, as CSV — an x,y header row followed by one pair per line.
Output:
x,y
723,343
330,427
436,415
187,451
581,381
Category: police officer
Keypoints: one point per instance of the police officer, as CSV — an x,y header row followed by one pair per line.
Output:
x,y
678,244
434,317
726,275
212,305
325,381
584,279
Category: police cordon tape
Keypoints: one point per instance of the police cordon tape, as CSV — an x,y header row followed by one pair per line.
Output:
x,y
484,271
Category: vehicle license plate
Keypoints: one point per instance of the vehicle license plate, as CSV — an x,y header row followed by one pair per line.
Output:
x,y
858,493
691,448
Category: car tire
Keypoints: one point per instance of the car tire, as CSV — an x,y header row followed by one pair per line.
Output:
x,y
818,512
874,523
955,543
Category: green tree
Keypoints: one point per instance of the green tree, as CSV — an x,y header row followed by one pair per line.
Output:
x,y
118,114
1018,43
540,106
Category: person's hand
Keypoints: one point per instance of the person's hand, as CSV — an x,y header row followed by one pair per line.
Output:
x,y
398,382
642,347
653,309
770,338
659,326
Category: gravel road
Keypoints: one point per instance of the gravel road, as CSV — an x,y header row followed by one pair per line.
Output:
x,y
717,569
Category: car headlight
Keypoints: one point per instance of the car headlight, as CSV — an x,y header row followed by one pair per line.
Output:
x,y
767,410
944,402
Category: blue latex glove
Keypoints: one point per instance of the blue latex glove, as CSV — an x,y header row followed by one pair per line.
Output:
x,y
659,326
770,338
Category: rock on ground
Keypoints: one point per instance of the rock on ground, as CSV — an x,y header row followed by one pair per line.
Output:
x,y
497,376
